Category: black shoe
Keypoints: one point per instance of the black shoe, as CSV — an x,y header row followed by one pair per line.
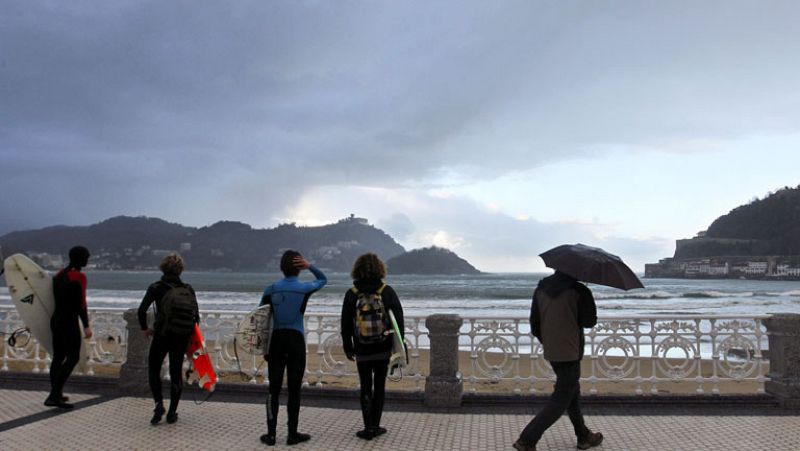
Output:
x,y
268,439
297,437
64,398
379,431
172,417
520,446
591,440
366,434
158,412
57,402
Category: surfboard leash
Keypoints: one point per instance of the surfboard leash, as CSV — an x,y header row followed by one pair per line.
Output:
x,y
194,395
12,337
242,374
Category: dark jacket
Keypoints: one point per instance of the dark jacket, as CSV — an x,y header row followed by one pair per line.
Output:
x,y
561,308
352,346
155,292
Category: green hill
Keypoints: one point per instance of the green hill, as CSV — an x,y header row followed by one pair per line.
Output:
x,y
768,226
430,260
139,243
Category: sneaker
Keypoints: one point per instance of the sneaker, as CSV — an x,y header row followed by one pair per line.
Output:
x,y
297,437
519,446
268,439
57,402
365,434
379,431
158,412
172,417
590,441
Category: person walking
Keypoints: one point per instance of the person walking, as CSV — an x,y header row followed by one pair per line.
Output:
x,y
561,308
176,315
365,328
69,291
287,349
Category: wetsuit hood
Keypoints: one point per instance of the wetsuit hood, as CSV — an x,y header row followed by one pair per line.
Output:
x,y
78,257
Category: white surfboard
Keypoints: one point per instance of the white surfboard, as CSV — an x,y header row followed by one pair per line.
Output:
x,y
398,358
31,289
255,331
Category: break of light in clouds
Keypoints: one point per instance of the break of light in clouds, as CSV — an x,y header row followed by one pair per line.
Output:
x,y
498,131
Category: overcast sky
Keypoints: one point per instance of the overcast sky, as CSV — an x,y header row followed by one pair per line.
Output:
x,y
496,129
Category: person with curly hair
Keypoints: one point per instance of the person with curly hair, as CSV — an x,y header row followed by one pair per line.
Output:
x,y
371,354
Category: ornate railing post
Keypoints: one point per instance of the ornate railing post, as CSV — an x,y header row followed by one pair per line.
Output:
x,y
443,386
784,358
133,373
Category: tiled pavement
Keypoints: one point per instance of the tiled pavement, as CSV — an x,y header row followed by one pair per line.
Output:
x,y
107,423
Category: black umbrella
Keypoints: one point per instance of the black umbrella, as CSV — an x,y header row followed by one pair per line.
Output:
x,y
591,264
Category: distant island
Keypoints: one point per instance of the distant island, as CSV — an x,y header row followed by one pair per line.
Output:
x,y
430,260
760,240
139,243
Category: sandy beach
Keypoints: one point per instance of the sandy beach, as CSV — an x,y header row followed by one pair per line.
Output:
x,y
341,373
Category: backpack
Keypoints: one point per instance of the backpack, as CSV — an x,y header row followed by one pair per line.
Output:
x,y
371,317
178,311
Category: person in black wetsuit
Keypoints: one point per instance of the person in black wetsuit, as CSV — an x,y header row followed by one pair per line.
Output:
x,y
165,342
372,358
69,290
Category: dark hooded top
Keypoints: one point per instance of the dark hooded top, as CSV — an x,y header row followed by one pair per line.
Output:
x,y
352,346
155,292
561,308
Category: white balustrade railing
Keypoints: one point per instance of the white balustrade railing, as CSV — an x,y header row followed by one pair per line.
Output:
x,y
634,355
107,347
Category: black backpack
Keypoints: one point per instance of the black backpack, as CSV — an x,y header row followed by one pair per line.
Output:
x,y
178,311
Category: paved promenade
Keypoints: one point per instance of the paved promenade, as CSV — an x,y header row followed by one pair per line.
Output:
x,y
106,422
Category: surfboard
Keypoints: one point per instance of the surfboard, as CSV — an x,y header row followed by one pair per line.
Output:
x,y
201,361
255,331
398,358
31,289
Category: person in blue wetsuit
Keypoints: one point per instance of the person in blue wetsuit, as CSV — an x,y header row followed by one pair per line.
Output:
x,y
287,350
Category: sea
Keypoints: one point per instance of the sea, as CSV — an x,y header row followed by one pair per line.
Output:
x,y
485,295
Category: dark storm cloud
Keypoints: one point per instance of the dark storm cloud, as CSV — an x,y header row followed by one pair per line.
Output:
x,y
197,111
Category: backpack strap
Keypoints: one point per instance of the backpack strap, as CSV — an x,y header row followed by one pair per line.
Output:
x,y
380,290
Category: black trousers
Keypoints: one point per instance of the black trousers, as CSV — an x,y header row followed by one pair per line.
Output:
x,y
66,353
175,346
372,376
566,396
287,351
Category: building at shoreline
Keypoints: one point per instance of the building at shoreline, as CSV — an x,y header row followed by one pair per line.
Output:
x,y
735,267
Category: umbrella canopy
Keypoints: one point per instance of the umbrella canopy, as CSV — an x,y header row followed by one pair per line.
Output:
x,y
591,264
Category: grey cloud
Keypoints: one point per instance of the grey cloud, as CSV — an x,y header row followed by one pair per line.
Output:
x,y
228,100
398,225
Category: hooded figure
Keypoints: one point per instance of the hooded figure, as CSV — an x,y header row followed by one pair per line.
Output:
x,y
561,308
69,290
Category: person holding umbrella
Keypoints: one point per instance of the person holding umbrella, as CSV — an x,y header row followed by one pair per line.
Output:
x,y
561,308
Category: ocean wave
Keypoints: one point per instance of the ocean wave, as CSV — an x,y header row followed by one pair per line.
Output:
x,y
651,295
696,295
